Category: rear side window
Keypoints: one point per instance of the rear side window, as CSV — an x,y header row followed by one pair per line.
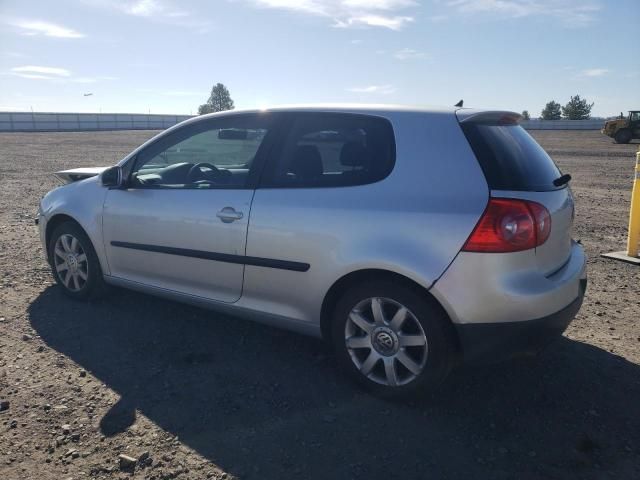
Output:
x,y
328,150
510,158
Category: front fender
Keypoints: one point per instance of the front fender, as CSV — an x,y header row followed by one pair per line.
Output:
x,y
82,201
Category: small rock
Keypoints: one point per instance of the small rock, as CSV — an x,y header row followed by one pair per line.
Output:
x,y
70,452
4,405
66,429
83,373
75,437
126,462
13,424
26,337
47,407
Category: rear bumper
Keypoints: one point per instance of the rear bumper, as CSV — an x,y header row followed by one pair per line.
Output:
x,y
489,342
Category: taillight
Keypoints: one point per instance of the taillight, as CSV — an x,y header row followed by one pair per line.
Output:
x,y
510,225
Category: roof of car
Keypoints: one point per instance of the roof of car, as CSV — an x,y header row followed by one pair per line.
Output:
x,y
344,107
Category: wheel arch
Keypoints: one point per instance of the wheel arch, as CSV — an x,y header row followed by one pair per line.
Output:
x,y
336,290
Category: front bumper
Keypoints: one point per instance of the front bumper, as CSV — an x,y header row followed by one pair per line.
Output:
x,y
490,342
41,225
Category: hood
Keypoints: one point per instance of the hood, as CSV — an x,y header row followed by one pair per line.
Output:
x,y
75,174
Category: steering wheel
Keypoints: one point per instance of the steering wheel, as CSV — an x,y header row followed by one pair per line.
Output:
x,y
197,170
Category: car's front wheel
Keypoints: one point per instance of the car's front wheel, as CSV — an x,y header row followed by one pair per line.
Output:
x,y
74,262
392,339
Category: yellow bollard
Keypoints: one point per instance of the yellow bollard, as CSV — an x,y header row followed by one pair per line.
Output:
x,y
634,214
631,254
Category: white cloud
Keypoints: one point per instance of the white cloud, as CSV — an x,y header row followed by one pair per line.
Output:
x,y
409,54
161,11
378,89
143,8
34,69
575,13
60,75
348,13
37,27
379,4
594,72
393,23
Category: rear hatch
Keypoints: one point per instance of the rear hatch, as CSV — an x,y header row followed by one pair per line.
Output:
x,y
515,166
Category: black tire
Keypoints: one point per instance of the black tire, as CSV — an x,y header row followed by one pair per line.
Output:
x,y
440,354
94,286
623,136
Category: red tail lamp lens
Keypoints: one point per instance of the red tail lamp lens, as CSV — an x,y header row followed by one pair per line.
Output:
x,y
510,225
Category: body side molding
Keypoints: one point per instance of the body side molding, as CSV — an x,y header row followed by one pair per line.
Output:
x,y
218,257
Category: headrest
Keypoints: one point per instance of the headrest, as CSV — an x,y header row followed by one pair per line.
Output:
x,y
307,162
355,154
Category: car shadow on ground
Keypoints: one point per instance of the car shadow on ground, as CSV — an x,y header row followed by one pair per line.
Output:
x,y
264,403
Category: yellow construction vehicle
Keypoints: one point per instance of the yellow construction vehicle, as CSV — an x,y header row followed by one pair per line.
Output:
x,y
623,130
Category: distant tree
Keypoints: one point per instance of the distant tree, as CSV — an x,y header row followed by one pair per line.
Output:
x,y
219,100
525,115
551,111
577,109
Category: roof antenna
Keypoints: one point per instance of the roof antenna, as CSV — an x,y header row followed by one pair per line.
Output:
x,y
459,104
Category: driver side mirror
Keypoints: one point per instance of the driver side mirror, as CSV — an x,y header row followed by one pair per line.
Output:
x,y
112,177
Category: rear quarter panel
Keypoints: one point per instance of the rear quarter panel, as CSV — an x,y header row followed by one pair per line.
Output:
x,y
413,223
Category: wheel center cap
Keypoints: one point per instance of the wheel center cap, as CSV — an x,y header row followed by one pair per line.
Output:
x,y
72,261
385,341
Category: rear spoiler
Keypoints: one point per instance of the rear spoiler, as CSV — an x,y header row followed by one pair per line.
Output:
x,y
75,174
490,117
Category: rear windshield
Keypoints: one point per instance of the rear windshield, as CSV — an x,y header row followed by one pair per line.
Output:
x,y
510,158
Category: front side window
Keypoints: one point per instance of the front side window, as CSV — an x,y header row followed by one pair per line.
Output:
x,y
327,150
215,153
635,116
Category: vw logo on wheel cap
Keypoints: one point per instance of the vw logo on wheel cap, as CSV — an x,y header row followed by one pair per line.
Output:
x,y
385,341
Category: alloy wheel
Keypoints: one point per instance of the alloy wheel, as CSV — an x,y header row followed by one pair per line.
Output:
x,y
70,262
386,342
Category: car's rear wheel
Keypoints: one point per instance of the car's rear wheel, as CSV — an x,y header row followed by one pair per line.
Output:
x,y
392,339
623,136
74,262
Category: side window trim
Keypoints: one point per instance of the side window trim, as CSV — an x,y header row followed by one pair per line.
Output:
x,y
192,129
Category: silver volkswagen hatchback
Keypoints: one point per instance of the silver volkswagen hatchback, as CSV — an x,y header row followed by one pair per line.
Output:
x,y
409,239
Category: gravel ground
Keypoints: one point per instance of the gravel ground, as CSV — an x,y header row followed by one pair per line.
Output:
x,y
185,393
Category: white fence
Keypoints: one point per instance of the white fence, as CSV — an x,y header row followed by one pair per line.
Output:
x,y
538,124
74,122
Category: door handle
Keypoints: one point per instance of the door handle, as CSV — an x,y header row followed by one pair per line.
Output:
x,y
228,215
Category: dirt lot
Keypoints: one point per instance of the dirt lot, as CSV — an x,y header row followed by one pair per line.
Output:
x,y
196,395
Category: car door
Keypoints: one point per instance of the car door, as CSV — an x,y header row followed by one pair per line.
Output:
x,y
313,206
180,222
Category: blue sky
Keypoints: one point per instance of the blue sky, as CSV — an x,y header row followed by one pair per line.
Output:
x,y
163,56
